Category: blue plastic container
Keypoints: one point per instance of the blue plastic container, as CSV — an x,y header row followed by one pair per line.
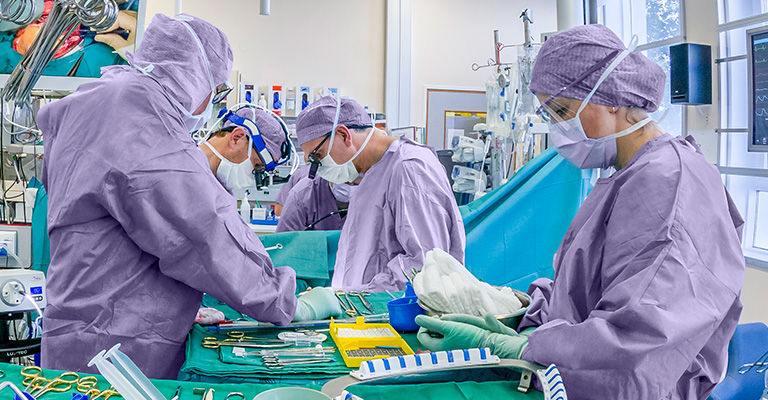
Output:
x,y
403,312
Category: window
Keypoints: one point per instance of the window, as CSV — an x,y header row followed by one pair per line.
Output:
x,y
745,173
657,24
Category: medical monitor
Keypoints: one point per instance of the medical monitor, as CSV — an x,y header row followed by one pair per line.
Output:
x,y
757,56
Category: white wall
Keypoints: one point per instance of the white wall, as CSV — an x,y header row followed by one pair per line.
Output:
x,y
336,43
450,35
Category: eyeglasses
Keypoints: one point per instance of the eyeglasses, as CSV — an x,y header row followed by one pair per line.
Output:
x,y
314,158
221,92
578,80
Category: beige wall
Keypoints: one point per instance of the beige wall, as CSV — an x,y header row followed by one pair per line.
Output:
x,y
755,296
450,35
338,43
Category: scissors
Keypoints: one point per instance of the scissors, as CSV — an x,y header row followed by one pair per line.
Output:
x,y
32,376
213,343
240,337
761,364
62,383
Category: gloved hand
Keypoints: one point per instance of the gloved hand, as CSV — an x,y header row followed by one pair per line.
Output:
x,y
209,316
491,324
466,335
318,303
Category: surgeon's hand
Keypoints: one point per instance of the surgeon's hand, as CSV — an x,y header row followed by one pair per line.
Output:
x,y
126,20
472,332
318,303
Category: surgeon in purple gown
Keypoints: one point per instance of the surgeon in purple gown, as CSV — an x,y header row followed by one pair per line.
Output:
x,y
403,208
139,227
646,293
282,196
316,204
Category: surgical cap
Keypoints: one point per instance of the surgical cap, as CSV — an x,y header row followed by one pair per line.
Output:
x,y
271,130
177,63
317,120
564,57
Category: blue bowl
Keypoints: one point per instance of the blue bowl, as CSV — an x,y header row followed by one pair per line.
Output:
x,y
403,312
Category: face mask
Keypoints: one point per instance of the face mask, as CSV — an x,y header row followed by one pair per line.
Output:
x,y
236,177
343,192
571,140
335,173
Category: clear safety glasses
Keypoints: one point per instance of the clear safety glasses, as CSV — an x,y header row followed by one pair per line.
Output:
x,y
221,92
551,111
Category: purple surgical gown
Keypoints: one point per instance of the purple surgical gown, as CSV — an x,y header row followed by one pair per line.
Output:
x,y
310,200
140,228
402,209
647,285
296,177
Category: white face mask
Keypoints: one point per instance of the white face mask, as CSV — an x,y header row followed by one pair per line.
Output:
x,y
329,169
343,192
237,177
572,142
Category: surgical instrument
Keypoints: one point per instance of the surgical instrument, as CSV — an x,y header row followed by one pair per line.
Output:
x,y
361,295
213,343
321,323
20,12
62,383
275,247
354,307
235,394
761,364
64,17
240,337
346,306
296,351
177,394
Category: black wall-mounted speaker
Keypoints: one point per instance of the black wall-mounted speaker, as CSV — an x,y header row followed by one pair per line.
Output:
x,y
690,73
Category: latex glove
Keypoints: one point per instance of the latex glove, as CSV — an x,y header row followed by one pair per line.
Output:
x,y
488,322
318,303
209,316
126,20
461,335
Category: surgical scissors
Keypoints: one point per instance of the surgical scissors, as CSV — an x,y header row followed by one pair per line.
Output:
x,y
214,343
761,364
32,374
240,336
62,383
361,295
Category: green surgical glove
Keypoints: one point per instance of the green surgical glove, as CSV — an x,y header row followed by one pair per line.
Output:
x,y
466,332
318,303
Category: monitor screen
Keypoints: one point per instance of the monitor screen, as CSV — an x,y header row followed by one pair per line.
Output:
x,y
758,63
83,53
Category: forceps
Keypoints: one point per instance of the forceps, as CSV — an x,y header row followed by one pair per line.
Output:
x,y
761,364
214,343
240,336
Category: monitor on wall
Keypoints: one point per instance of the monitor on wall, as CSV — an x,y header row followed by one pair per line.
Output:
x,y
757,56
82,55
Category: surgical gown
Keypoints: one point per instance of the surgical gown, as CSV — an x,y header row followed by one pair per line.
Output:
x,y
402,209
296,177
310,200
139,227
646,294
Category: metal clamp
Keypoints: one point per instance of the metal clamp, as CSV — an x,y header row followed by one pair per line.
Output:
x,y
235,394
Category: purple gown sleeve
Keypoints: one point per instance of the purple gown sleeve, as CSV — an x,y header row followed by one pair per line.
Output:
x,y
536,315
200,241
294,213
